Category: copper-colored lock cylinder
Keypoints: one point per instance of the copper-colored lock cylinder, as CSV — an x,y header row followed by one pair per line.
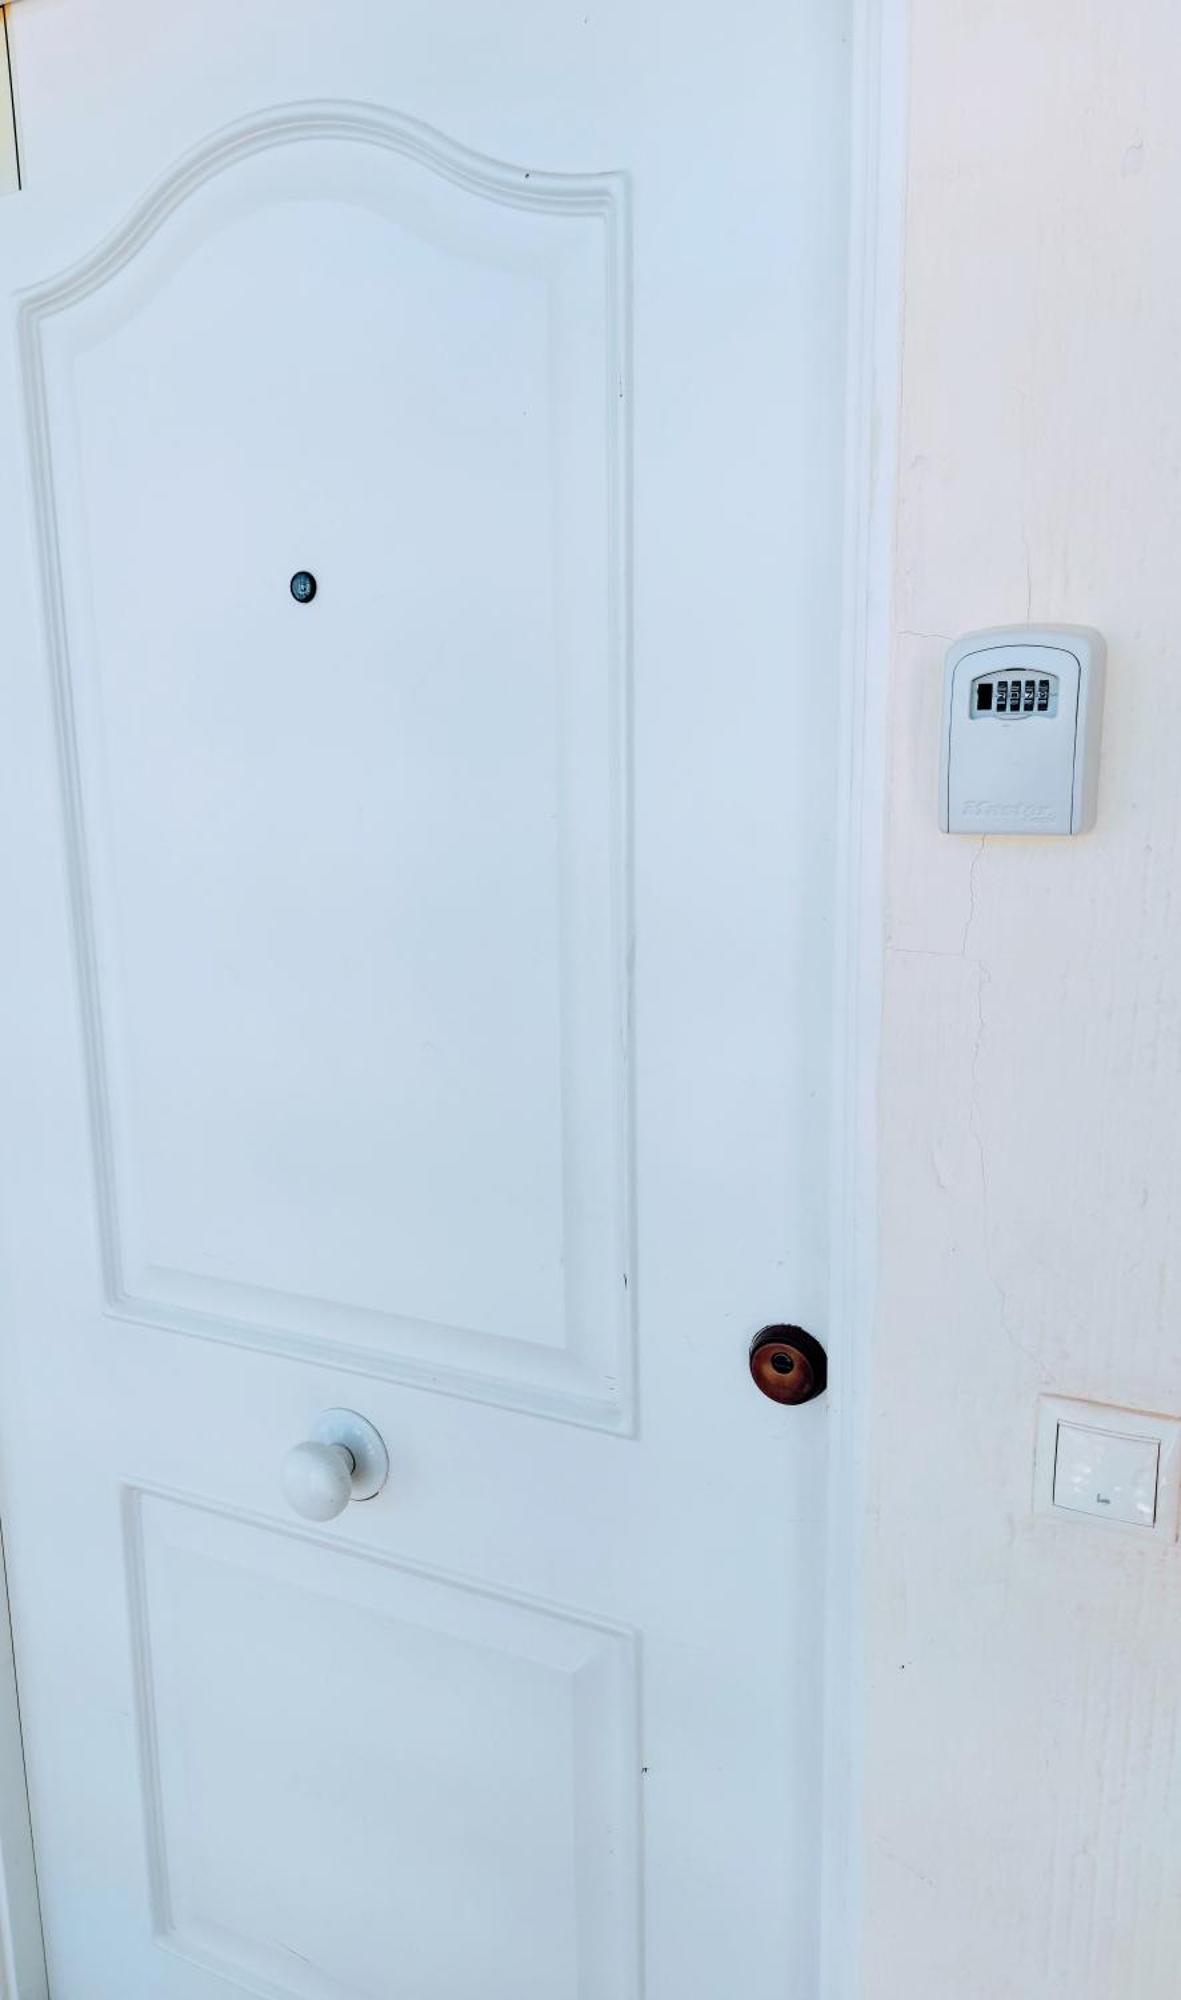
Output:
x,y
788,1365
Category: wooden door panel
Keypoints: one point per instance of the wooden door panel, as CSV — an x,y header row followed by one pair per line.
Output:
x,y
358,1774
351,875
349,887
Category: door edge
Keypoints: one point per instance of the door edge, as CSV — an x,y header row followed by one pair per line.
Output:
x,y
23,1974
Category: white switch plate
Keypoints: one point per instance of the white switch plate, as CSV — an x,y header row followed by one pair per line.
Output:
x,y
1113,1477
1095,1463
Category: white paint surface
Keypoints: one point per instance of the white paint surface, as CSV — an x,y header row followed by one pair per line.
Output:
x,y
1024,1789
334,1032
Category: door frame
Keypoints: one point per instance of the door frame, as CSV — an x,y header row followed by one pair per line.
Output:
x,y
877,190
877,248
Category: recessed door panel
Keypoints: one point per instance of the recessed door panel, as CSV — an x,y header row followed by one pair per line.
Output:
x,y
370,1783
351,875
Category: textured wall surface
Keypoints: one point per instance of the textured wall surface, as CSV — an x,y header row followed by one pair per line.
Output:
x,y
1024,1792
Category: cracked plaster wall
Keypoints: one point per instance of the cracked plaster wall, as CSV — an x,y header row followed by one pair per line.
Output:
x,y
1024,1796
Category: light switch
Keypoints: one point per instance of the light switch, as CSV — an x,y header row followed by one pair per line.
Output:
x,y
1098,1472
1102,1464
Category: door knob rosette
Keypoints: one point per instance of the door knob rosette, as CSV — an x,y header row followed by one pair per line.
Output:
x,y
344,1459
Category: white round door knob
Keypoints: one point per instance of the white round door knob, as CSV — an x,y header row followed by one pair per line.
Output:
x,y
318,1480
344,1459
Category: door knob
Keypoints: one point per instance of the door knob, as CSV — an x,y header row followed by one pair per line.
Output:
x,y
344,1459
788,1365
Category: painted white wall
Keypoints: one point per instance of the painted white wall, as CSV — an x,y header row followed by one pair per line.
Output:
x,y
1024,1796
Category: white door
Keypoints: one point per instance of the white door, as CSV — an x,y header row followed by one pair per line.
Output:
x,y
415,995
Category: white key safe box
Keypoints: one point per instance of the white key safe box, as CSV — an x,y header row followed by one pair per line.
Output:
x,y
1022,711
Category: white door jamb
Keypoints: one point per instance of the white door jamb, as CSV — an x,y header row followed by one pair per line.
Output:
x,y
876,247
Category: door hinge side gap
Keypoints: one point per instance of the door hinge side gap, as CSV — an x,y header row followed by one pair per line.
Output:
x,y
11,180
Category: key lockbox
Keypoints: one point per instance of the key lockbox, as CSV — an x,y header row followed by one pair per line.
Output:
x,y
1022,709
